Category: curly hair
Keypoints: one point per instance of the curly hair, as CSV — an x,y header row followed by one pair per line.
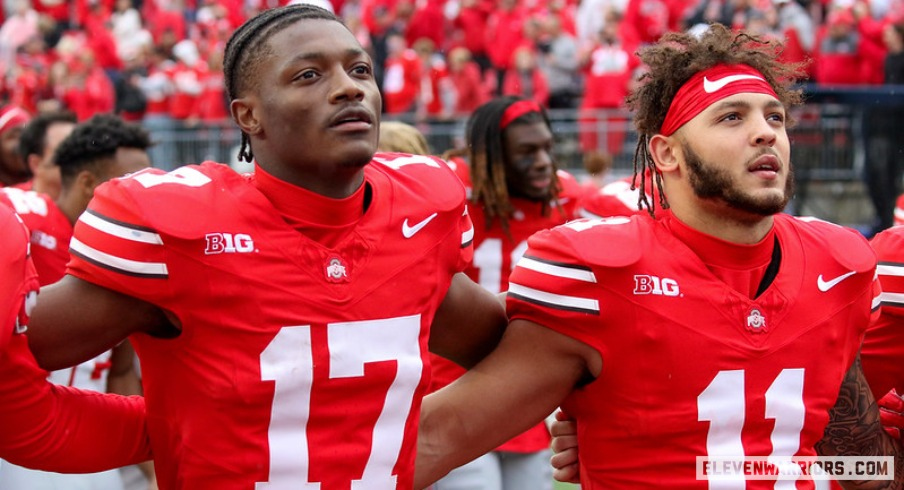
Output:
x,y
675,59
97,140
486,157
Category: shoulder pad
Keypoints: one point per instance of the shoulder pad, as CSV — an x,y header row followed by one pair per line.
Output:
x,y
846,245
608,242
427,177
171,202
889,244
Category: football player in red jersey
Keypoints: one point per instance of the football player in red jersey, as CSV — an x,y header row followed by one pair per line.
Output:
x,y
283,318
97,150
515,191
723,329
45,426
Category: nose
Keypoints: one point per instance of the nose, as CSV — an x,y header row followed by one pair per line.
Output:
x,y
346,88
763,133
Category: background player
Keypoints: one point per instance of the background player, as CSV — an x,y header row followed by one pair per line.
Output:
x,y
515,190
37,144
696,326
275,312
13,170
97,150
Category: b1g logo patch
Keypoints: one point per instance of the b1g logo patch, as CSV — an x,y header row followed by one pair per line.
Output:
x,y
756,322
336,271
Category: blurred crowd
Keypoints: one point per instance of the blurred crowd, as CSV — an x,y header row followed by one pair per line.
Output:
x,y
160,61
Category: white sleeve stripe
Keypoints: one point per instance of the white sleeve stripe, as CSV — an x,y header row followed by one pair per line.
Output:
x,y
553,300
891,298
467,237
578,274
890,269
118,264
118,230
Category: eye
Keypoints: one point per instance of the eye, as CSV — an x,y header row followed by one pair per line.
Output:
x,y
777,117
362,70
733,116
306,75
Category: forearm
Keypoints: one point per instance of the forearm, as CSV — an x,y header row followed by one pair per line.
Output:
x,y
52,427
855,429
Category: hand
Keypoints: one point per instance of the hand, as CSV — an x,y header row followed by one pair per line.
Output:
x,y
565,463
891,413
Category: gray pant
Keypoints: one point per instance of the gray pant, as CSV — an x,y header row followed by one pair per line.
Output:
x,y
500,470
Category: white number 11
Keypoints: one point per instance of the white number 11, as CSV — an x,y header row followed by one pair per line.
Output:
x,y
723,403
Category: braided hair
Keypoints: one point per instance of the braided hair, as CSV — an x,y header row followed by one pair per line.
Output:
x,y
674,60
247,48
487,156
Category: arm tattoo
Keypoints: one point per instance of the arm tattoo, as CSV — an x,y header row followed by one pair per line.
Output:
x,y
854,429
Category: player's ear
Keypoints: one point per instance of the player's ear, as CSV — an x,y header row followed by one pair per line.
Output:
x,y
86,181
665,152
33,161
244,114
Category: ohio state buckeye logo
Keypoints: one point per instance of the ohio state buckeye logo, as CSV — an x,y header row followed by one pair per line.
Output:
x,y
335,270
756,322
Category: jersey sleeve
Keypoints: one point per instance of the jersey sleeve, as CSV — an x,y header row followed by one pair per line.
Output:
x,y
115,245
19,281
552,286
61,429
889,247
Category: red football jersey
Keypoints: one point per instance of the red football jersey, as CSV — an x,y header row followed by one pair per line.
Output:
x,y
883,346
495,253
50,231
41,425
298,365
691,367
19,282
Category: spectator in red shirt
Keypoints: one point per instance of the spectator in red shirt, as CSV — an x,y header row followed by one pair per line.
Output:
x,y
610,69
467,82
427,21
839,58
470,28
402,76
436,94
504,33
524,78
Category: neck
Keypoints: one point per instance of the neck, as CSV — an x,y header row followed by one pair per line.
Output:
x,y
715,220
71,206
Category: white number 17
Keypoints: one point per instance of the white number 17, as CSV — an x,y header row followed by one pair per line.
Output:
x,y
288,361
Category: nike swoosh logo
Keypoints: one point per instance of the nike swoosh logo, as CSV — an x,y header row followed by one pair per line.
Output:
x,y
824,285
410,231
710,86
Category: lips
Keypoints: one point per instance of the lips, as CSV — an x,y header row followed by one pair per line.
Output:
x,y
765,163
352,116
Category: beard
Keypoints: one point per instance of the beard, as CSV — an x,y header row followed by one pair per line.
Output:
x,y
713,183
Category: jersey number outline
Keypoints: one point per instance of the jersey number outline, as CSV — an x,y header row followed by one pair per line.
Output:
x,y
288,361
488,261
723,404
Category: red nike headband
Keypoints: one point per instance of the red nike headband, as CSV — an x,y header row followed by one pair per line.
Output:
x,y
516,110
709,86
